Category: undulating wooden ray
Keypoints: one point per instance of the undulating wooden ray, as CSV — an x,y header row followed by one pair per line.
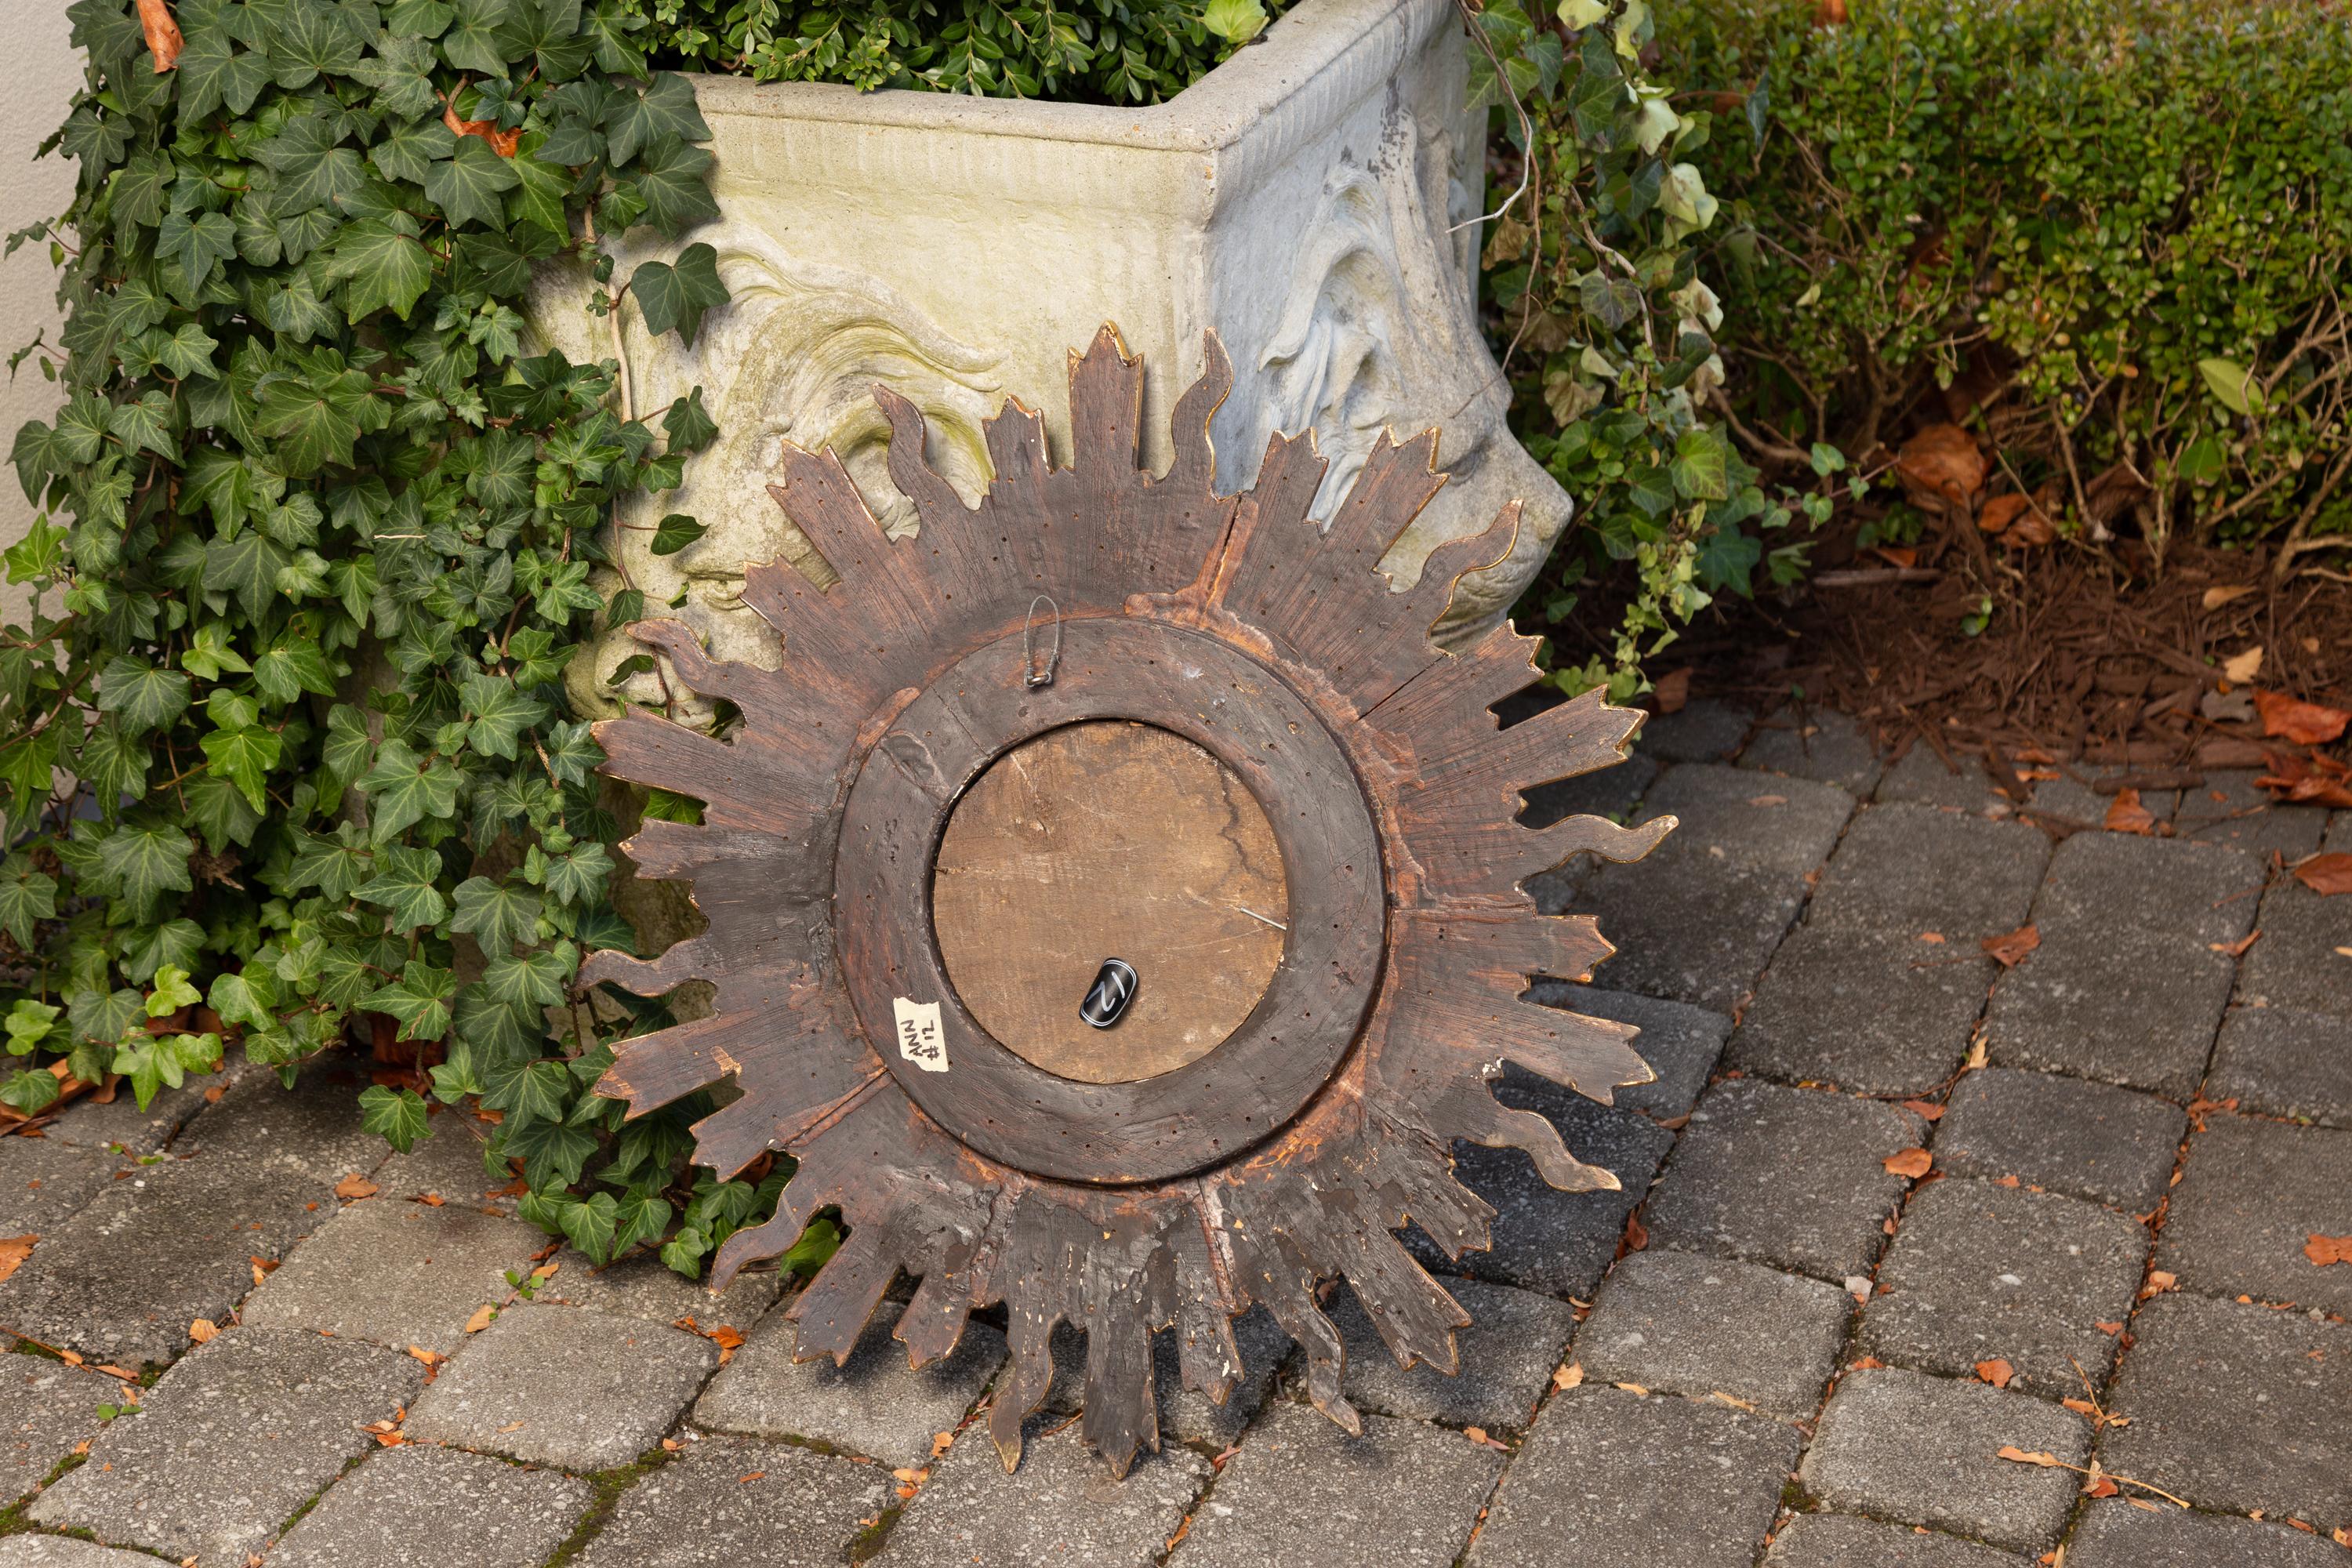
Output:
x,y
1292,1151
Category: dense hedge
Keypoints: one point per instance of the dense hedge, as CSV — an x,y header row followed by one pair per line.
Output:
x,y
2111,235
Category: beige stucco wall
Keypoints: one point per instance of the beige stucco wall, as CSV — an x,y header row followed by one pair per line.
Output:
x,y
39,74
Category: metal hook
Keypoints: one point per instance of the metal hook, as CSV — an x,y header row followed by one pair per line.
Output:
x,y
1033,674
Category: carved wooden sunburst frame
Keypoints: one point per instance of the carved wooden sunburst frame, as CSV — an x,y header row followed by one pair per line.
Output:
x,y
1288,1154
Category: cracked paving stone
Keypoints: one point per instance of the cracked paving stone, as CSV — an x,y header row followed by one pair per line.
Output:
x,y
1695,921
1827,747
1920,775
1301,1490
45,1408
2117,1535
1701,731
1840,1541
874,1404
396,1273
1979,1272
1872,1011
642,1285
1185,1414
1060,1506
2100,881
2231,809
1922,1450
1507,1353
64,1551
119,1123
2295,963
1543,1239
2279,1061
413,1507
1792,1177
563,1385
2126,1005
2237,1407
2066,1135
1904,870
726,1502
1680,1042
44,1182
1684,1324
1637,1482
2251,1195
230,1442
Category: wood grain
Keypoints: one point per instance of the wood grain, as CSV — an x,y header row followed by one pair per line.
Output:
x,y
1101,840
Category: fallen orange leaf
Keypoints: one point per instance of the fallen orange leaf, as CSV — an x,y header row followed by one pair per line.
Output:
x,y
1925,1109
1997,1372
502,143
2214,598
483,1317
2237,948
204,1331
355,1186
1569,1376
748,1479
2016,1455
2304,723
163,38
1912,1162
2327,875
2128,815
2010,951
1672,691
2240,669
13,1250
2324,1250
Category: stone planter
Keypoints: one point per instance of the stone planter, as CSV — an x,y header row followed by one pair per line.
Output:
x,y
1311,200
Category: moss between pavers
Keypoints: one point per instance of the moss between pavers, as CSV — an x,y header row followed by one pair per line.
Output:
x,y
605,1487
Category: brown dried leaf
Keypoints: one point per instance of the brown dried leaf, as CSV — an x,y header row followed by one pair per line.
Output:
x,y
13,1250
1942,470
1911,1163
164,40
2327,875
2128,815
2010,951
1925,1109
483,1317
1672,691
2240,669
2237,948
355,1186
2324,1250
431,1200
204,1331
2215,599
2304,723
1569,1377
1996,1372
2017,1455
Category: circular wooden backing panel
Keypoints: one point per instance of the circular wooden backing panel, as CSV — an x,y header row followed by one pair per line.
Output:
x,y
1109,840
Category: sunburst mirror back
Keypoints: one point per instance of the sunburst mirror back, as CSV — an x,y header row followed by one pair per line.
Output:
x,y
1107,715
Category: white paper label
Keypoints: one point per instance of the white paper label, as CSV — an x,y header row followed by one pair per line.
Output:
x,y
921,1040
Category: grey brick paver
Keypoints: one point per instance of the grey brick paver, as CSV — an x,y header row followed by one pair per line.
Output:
x,y
1919,775
1680,1042
874,1404
1515,1342
1980,1272
2252,1195
1823,745
1904,870
45,1408
2117,1535
2102,881
1403,1495
1903,1446
1840,1541
64,1551
1873,1011
231,1441
45,1182
2086,1140
728,1503
1701,731
1060,1506
564,1386
642,1285
2230,809
2295,963
415,1507
396,1273
1697,1326
2237,1407
1790,1177
2126,1005
1632,1482
311,1131
2282,1061
1697,919
1558,1243
119,1123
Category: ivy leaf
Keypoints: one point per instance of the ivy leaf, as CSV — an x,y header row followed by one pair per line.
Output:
x,y
145,426
406,883
348,746
336,869
144,857
677,295
552,1154
540,188
403,152
246,566
1700,468
572,752
526,1091
382,266
675,532
219,810
669,179
499,714
172,992
397,1116
468,185
26,896
102,1017
590,1223
639,1217
313,169
306,42
401,71
688,425
291,666
498,915
213,76
579,877
245,757
200,242
403,789
476,39
664,108
31,1090
139,695
534,979
419,1000
315,416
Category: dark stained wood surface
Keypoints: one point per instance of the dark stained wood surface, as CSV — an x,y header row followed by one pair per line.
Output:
x,y
1109,840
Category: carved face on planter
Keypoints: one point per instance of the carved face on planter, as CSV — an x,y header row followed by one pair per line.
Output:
x,y
1104,716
